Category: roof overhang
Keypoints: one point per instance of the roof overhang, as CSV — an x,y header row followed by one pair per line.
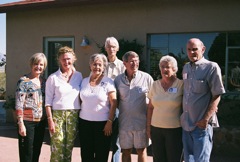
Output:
x,y
45,4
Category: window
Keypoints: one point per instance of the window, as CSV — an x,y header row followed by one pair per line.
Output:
x,y
223,48
233,69
51,47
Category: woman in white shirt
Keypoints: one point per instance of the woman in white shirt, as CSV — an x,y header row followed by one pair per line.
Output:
x,y
98,96
164,110
63,105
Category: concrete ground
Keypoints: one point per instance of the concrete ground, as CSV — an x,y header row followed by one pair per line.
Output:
x,y
9,148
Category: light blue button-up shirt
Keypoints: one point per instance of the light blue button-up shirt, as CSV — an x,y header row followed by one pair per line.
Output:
x,y
202,80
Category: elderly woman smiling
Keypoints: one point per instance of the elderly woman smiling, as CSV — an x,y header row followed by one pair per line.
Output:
x,y
164,110
98,96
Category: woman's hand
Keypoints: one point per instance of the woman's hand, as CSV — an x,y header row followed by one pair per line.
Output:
x,y
22,129
149,118
108,128
51,125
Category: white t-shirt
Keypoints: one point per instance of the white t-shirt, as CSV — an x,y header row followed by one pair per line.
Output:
x,y
62,95
95,101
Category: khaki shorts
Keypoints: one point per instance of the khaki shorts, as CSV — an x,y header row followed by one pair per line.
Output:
x,y
130,139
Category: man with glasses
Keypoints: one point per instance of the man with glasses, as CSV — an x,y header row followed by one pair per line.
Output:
x,y
132,88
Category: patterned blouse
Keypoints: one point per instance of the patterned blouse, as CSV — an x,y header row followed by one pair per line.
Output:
x,y
30,100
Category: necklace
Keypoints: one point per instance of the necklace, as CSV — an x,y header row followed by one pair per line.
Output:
x,y
93,83
92,89
65,76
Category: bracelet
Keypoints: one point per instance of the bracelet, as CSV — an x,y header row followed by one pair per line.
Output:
x,y
49,117
110,120
19,122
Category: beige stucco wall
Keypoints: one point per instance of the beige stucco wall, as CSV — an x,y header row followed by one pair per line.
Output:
x,y
128,20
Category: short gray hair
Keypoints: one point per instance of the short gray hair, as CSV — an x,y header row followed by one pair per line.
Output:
x,y
97,56
170,60
113,40
127,54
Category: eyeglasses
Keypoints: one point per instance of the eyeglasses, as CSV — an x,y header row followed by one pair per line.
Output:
x,y
134,61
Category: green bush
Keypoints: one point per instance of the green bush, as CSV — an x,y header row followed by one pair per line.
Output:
x,y
229,110
10,103
2,85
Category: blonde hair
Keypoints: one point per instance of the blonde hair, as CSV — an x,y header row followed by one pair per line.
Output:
x,y
64,50
36,58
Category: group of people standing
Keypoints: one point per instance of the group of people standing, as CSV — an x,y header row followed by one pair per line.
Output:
x,y
120,107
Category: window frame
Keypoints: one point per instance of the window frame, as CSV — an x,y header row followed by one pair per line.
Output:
x,y
224,41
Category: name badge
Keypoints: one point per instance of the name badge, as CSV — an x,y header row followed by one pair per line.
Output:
x,y
172,90
143,90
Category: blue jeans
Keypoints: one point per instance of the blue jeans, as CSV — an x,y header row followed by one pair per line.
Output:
x,y
116,149
197,144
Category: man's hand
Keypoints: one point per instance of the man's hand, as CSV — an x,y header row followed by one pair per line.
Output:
x,y
202,123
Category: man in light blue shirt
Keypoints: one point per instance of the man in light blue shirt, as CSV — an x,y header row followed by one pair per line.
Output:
x,y
202,89
132,88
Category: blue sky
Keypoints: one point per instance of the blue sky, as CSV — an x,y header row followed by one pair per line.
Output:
x,y
3,27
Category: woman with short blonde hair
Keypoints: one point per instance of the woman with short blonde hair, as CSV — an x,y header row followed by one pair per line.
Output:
x,y
30,113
